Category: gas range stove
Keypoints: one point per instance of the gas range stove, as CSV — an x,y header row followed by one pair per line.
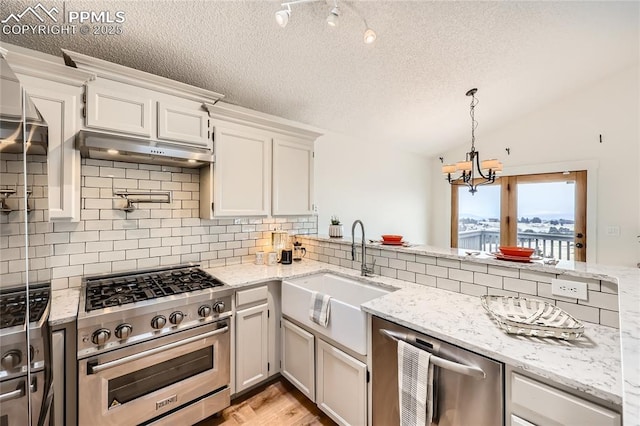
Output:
x,y
13,329
118,310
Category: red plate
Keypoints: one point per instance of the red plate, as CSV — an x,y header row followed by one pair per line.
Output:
x,y
392,243
513,258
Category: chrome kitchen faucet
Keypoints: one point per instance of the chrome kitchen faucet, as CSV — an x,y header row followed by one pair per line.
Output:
x,y
365,270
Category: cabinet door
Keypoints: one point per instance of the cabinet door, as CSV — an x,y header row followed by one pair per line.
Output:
x,y
252,343
120,108
544,405
298,361
242,171
180,124
58,105
292,177
517,421
341,385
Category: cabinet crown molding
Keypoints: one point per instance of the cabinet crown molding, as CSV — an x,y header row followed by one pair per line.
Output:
x,y
31,65
120,73
240,115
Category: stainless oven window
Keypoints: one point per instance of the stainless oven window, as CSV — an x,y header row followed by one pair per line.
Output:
x,y
131,386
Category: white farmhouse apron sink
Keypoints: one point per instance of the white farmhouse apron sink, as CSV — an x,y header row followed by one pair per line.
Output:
x,y
347,323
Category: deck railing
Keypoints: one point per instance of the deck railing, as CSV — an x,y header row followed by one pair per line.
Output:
x,y
559,246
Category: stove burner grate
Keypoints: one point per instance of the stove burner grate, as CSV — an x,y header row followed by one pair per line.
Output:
x,y
120,290
13,306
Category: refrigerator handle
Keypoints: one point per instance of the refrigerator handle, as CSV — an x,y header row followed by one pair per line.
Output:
x,y
457,367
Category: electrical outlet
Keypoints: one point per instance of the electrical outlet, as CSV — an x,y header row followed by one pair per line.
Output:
x,y
572,289
613,231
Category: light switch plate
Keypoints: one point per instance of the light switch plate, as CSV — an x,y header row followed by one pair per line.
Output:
x,y
566,288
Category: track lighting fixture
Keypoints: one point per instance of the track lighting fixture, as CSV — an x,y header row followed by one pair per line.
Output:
x,y
282,16
369,35
332,19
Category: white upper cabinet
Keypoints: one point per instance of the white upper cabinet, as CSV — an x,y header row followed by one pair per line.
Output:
x,y
292,189
56,90
263,166
115,106
181,124
136,103
242,171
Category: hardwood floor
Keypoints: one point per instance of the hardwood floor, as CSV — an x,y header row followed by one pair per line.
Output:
x,y
280,403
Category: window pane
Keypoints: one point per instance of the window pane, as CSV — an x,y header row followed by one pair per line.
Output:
x,y
546,218
479,218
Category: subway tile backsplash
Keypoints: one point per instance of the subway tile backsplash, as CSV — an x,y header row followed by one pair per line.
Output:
x,y
474,279
111,240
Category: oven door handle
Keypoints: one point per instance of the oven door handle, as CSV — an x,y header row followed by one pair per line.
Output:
x,y
94,367
18,393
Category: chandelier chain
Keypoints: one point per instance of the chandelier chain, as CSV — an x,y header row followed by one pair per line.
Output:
x,y
474,123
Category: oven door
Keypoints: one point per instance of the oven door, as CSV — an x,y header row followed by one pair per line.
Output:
x,y
13,400
145,381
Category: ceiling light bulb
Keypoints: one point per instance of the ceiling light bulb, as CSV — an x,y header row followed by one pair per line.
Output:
x,y
369,36
282,17
332,19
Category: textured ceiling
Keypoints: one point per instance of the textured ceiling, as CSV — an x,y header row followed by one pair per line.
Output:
x,y
406,89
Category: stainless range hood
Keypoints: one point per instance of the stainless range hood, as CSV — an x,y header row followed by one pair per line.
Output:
x,y
21,124
105,146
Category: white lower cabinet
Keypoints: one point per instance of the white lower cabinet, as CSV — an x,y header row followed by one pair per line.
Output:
x,y
333,379
298,363
252,346
531,402
256,351
341,385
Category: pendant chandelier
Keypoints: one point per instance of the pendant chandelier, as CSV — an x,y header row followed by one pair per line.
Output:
x,y
474,172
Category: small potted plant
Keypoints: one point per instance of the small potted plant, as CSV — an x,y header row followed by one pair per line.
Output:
x,y
335,229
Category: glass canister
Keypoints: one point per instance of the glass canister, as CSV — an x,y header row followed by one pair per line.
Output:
x,y
298,251
279,241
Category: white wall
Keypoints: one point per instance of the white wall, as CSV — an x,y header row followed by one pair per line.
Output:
x,y
566,133
382,186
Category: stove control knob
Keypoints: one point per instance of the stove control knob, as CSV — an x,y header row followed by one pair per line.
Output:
x,y
158,322
100,337
123,331
204,311
218,307
176,317
11,360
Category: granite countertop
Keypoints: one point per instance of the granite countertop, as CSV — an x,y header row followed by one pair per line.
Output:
x,y
591,364
64,306
626,278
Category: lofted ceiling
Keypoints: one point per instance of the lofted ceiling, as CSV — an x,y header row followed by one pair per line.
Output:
x,y
407,89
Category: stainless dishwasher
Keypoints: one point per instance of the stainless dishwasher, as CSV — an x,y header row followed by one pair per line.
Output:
x,y
468,388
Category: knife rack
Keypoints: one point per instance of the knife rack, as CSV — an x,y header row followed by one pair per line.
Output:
x,y
135,197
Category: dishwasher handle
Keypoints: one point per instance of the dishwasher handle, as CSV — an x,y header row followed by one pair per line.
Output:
x,y
457,367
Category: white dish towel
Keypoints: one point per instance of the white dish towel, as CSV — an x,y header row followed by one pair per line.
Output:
x,y
415,385
320,308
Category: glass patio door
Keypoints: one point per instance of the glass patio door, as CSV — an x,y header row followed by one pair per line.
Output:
x,y
544,211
